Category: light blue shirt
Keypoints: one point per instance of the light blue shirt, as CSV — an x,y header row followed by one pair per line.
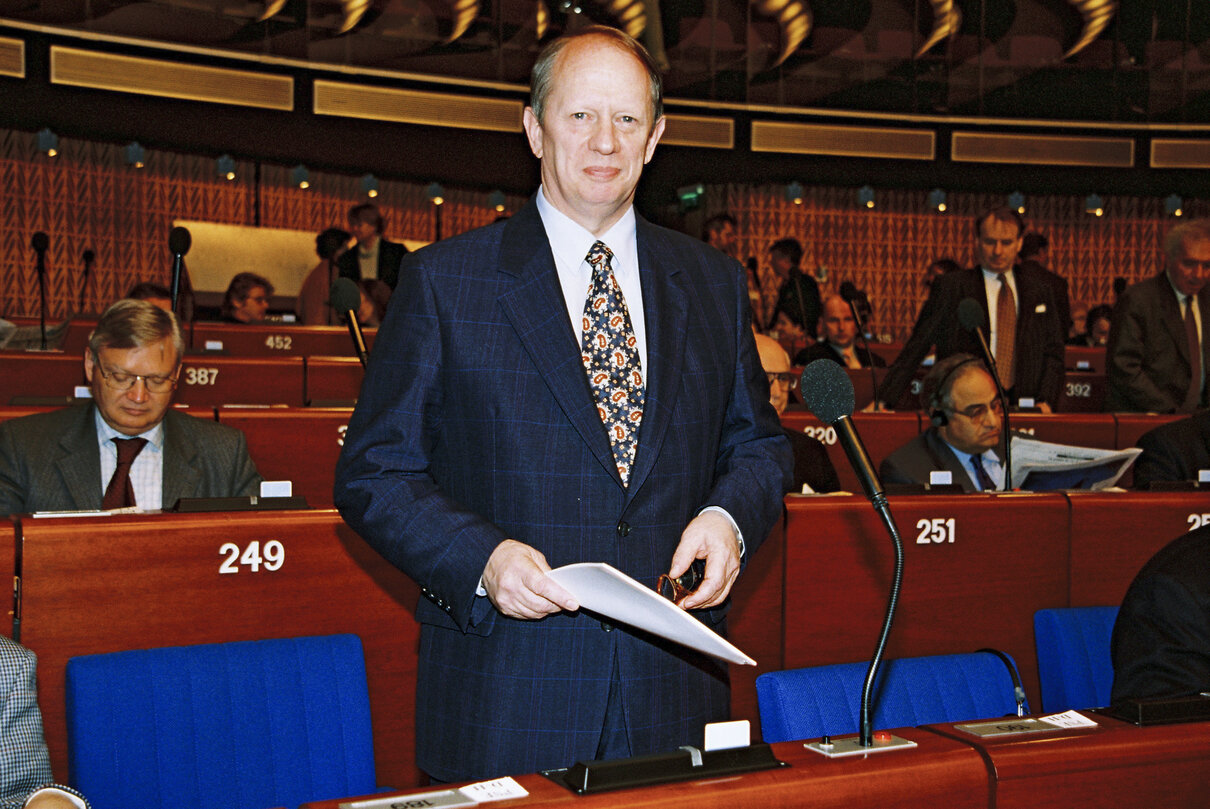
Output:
x,y
993,465
147,471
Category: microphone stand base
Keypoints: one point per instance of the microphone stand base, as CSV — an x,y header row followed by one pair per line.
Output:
x,y
851,746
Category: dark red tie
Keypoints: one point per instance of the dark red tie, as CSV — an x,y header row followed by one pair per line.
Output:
x,y
120,493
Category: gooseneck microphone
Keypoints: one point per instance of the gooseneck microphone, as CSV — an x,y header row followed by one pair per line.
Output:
x,y
40,242
179,242
850,294
828,394
971,318
345,298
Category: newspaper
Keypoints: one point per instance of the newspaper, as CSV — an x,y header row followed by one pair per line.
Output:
x,y
1042,466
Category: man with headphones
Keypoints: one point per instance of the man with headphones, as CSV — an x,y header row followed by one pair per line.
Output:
x,y
966,419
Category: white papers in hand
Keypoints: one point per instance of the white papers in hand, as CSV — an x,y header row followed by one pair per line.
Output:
x,y
614,595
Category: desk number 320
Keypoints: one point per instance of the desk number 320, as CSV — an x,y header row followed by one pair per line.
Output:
x,y
252,558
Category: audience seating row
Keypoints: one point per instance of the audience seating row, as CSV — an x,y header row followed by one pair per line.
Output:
x,y
977,569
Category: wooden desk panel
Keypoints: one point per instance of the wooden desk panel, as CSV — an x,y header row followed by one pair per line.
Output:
x,y
1132,426
1082,392
756,624
38,374
295,444
1113,765
19,411
940,772
215,380
92,585
1113,534
8,569
273,340
882,434
1084,358
333,379
1081,429
1007,559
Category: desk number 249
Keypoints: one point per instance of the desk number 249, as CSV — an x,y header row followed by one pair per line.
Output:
x,y
252,558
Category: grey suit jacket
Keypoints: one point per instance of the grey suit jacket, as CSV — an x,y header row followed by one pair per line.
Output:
x,y
24,760
1147,359
50,461
925,453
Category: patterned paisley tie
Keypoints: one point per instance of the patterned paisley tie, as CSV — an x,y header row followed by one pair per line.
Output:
x,y
611,359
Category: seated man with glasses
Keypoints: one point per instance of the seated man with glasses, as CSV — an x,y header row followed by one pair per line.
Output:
x,y
964,436
128,448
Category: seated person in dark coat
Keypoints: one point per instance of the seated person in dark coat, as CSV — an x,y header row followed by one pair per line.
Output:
x,y
374,256
1161,641
965,434
247,298
812,466
78,458
1175,451
839,342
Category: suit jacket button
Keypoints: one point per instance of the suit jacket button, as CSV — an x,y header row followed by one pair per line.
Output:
x,y
623,529
606,626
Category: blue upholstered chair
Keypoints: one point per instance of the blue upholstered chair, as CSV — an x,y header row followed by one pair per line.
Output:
x,y
244,725
826,700
1074,666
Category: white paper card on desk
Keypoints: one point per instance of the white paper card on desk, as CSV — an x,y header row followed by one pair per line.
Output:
x,y
612,594
445,799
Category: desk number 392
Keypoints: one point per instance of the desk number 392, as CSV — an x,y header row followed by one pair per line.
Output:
x,y
252,558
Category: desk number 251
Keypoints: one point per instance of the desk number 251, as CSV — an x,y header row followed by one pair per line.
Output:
x,y
252,558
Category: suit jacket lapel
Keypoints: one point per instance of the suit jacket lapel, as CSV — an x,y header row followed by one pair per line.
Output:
x,y
180,475
665,314
944,458
533,302
80,462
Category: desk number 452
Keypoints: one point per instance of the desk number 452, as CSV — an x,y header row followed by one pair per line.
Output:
x,y
252,558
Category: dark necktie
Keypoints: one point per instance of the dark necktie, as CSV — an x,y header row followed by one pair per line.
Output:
x,y
611,360
986,484
120,493
1006,333
1193,396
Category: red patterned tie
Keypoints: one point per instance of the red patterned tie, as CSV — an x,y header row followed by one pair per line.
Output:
x,y
611,359
120,493
1006,333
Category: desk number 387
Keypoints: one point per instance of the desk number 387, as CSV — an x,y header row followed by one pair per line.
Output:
x,y
252,557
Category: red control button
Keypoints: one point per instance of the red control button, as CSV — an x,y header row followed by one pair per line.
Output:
x,y
882,736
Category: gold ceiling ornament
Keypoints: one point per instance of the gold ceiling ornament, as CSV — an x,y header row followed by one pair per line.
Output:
x,y
1097,15
630,14
353,11
793,16
272,7
465,12
543,19
947,19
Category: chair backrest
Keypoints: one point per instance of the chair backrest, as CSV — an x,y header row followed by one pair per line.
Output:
x,y
1074,666
244,725
826,700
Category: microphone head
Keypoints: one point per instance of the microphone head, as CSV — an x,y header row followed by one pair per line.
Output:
x,y
827,391
90,256
970,315
344,296
40,242
849,292
179,241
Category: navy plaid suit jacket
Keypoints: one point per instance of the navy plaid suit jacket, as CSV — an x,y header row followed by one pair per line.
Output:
x,y
476,424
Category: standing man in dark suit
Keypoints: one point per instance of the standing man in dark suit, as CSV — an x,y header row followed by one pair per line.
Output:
x,y
129,447
572,384
1157,352
964,436
1024,334
373,257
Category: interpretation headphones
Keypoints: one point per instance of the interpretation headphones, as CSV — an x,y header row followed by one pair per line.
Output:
x,y
937,415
